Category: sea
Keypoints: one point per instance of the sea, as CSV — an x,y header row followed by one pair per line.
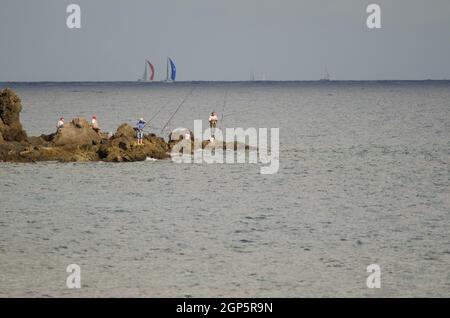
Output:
x,y
363,183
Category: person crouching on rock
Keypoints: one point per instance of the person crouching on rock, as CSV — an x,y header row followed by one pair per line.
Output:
x,y
60,124
94,124
140,131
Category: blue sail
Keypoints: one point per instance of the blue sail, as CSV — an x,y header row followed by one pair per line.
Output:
x,y
174,70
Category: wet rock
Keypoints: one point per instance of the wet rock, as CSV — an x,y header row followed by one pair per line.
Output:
x,y
210,145
177,135
234,145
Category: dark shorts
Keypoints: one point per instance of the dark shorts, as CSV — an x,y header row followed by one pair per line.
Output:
x,y
140,134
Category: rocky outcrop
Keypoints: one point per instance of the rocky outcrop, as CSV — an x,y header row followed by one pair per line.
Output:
x,y
208,144
10,126
178,135
77,132
77,141
122,146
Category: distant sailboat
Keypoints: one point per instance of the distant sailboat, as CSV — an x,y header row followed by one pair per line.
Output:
x,y
252,77
145,76
171,71
326,76
152,69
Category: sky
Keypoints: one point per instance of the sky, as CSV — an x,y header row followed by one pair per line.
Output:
x,y
224,40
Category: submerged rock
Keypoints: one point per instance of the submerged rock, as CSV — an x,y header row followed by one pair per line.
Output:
x,y
177,146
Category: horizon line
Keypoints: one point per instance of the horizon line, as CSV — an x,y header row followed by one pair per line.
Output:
x,y
226,81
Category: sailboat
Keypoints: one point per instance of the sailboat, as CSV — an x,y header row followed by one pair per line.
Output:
x,y
145,76
171,70
326,76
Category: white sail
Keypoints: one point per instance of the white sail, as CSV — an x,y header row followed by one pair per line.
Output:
x,y
171,71
145,75
326,76
167,71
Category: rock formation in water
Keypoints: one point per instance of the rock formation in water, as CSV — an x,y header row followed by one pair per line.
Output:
x,y
76,132
77,141
10,126
122,146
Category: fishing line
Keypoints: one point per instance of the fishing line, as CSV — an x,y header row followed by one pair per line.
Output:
x,y
223,106
164,105
178,108
239,112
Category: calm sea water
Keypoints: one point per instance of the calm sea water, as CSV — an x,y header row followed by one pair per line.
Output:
x,y
363,179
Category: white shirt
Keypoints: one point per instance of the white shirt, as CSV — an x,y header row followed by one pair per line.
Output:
x,y
60,124
94,123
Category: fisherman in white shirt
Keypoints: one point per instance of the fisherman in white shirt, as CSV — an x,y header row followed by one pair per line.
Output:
x,y
60,123
94,124
213,124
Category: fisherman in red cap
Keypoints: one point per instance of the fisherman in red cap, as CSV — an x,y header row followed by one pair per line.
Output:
x,y
94,124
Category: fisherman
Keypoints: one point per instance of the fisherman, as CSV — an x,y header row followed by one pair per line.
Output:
x,y
212,124
60,123
94,124
187,135
140,131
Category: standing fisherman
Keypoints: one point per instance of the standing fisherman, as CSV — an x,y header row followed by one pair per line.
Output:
x,y
140,131
213,124
94,124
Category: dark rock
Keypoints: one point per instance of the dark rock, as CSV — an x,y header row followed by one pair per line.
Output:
x,y
10,108
122,146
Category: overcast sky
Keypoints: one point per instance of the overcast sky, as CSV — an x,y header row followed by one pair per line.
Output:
x,y
224,39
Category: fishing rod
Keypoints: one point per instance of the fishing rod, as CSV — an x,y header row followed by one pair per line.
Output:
x,y
178,108
239,112
223,107
151,127
154,116
164,105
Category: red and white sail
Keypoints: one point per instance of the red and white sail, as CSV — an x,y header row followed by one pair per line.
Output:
x,y
152,71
